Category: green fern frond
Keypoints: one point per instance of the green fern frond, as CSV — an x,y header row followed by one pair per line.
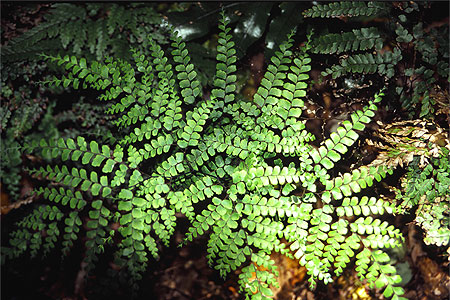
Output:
x,y
195,122
366,63
97,232
76,178
350,183
225,79
365,206
357,39
71,231
189,84
345,9
22,45
331,149
80,151
64,195
256,278
380,273
290,103
29,237
74,29
274,76
380,234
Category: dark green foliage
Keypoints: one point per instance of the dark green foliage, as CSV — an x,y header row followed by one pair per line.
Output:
x,y
357,39
251,24
94,30
413,63
88,28
366,63
19,115
346,8
427,188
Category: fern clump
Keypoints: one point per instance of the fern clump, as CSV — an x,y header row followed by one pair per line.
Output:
x,y
348,8
422,148
94,30
90,28
414,63
242,172
426,188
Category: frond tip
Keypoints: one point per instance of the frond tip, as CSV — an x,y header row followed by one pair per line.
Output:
x,y
345,9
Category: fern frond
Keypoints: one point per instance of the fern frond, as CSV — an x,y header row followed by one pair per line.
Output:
x,y
189,84
73,223
29,237
195,122
366,63
350,183
289,105
357,39
98,229
75,178
225,79
345,9
345,136
380,273
138,220
230,143
64,195
73,29
80,151
380,234
256,278
29,42
269,90
365,206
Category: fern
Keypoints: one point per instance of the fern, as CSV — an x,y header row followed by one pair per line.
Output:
x,y
421,147
243,173
96,30
427,188
367,63
414,80
357,39
350,9
75,28
19,116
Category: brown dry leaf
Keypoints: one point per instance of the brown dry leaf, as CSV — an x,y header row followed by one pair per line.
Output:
x,y
399,142
6,207
26,197
442,99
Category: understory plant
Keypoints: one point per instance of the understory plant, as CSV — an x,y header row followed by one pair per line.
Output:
x,y
422,148
244,173
396,45
426,187
409,53
28,112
